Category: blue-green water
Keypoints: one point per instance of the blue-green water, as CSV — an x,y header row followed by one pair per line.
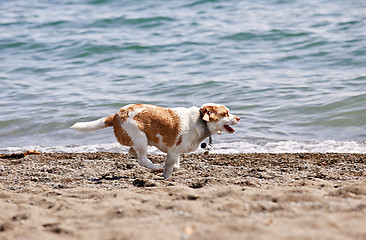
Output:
x,y
294,71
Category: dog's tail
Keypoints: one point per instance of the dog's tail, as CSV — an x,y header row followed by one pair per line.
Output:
x,y
94,125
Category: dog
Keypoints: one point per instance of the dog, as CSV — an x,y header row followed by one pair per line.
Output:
x,y
172,130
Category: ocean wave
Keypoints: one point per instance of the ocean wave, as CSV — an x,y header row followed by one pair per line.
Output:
x,y
66,61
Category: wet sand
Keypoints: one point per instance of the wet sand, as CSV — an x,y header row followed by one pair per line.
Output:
x,y
235,196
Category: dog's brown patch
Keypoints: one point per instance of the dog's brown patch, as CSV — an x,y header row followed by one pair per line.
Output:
x,y
156,121
179,142
116,121
214,113
108,121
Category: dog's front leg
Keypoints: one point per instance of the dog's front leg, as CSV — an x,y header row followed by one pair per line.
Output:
x,y
176,165
171,160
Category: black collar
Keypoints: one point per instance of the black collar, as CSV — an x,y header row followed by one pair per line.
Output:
x,y
204,145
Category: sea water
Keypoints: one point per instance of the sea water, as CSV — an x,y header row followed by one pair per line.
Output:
x,y
294,71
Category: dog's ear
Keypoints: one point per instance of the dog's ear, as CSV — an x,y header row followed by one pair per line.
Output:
x,y
206,117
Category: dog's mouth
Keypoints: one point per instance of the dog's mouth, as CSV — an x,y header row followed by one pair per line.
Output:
x,y
229,129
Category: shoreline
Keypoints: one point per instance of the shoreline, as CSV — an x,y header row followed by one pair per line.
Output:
x,y
236,196
229,147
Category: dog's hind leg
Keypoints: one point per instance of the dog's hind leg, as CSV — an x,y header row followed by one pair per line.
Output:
x,y
140,148
144,161
171,160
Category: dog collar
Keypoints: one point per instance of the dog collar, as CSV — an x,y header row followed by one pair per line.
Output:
x,y
204,145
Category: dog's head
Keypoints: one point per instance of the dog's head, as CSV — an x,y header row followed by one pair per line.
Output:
x,y
218,118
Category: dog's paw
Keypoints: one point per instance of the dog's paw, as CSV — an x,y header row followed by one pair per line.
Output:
x,y
167,175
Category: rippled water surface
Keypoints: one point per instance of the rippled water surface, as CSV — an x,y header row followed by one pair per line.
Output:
x,y
294,71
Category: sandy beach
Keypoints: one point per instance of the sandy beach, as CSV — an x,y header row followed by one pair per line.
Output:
x,y
236,196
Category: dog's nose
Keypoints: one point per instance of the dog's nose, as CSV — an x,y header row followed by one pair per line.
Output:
x,y
237,118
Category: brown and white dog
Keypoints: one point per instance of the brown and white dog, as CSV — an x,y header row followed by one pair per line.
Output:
x,y
172,130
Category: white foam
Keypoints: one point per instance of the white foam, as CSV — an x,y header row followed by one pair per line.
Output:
x,y
291,147
224,148
108,147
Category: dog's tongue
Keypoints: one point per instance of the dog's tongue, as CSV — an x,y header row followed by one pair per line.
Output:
x,y
230,129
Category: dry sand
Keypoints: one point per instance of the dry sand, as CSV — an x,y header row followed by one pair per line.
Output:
x,y
238,196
